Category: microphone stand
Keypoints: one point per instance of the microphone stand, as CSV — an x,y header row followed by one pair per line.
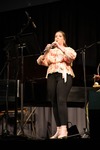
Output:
x,y
82,51
85,92
22,46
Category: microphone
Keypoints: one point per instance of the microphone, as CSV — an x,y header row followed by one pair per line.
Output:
x,y
30,19
49,46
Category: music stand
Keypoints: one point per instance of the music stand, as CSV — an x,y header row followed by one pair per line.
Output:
x,y
7,82
20,44
14,41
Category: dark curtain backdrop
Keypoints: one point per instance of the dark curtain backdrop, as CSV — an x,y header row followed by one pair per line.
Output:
x,y
80,21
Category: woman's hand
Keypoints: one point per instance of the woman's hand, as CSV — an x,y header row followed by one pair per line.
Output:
x,y
55,44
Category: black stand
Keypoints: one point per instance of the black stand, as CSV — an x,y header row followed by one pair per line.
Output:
x,y
82,51
86,131
27,119
22,46
5,131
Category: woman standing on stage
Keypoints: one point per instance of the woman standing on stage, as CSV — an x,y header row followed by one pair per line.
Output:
x,y
58,57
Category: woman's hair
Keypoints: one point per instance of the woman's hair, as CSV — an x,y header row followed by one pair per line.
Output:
x,y
64,36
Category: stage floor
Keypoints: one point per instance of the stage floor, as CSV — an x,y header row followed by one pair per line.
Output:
x,y
28,142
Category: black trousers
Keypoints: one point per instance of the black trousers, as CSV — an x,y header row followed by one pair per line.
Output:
x,y
57,91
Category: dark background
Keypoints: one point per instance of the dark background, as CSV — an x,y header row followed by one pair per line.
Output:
x,y
79,20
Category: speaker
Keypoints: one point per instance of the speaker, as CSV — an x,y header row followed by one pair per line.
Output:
x,y
94,113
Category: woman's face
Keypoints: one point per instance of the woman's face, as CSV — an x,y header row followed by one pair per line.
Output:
x,y
59,38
